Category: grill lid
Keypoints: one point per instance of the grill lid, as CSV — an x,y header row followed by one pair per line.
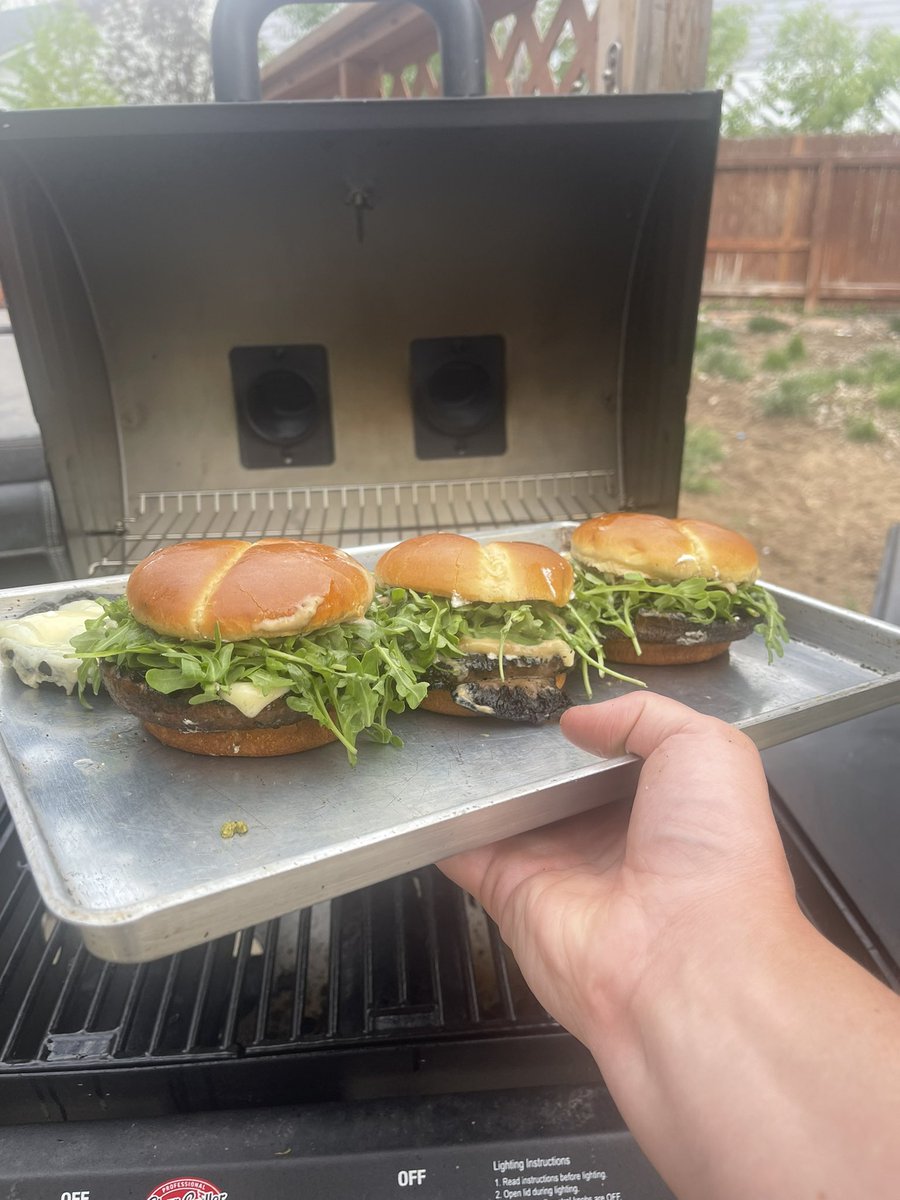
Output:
x,y
267,298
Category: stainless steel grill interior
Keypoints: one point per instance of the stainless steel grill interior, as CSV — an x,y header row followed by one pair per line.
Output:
x,y
346,515
216,342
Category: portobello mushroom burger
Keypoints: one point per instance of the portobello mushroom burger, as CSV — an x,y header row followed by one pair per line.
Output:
x,y
484,624
663,591
230,647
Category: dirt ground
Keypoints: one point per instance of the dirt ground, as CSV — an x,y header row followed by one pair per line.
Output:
x,y
815,492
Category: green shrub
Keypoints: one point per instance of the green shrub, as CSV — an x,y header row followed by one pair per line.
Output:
x,y
727,364
862,429
763,323
702,450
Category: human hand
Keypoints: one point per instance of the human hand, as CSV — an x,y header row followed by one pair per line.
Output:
x,y
594,905
748,1056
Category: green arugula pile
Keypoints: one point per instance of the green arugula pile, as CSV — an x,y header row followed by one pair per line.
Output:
x,y
348,678
611,603
432,627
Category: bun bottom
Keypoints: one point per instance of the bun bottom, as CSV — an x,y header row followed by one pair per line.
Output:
x,y
439,700
305,734
669,639
661,654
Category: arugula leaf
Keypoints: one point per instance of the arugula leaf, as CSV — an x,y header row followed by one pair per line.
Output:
x,y
349,678
433,627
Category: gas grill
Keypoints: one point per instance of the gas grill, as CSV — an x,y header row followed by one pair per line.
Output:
x,y
348,322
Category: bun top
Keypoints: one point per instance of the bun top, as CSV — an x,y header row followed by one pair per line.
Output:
x,y
448,564
272,588
664,549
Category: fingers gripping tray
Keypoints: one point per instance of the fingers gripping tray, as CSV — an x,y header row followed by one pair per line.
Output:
x,y
124,835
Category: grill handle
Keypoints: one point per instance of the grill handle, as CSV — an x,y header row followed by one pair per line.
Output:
x,y
235,53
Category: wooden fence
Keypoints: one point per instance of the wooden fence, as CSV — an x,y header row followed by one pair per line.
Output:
x,y
812,219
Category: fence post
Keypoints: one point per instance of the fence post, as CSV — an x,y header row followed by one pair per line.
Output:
x,y
664,43
816,261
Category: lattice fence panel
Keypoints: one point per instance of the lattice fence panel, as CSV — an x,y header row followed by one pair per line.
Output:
x,y
541,48
547,48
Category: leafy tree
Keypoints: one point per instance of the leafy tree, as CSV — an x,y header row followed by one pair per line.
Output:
x,y
154,51
728,40
98,52
300,19
823,76
60,66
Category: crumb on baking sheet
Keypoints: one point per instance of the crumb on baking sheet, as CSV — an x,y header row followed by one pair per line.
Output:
x,y
230,828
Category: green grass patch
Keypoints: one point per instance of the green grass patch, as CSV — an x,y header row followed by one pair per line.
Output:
x,y
852,375
888,396
709,336
725,363
791,397
893,323
702,451
883,366
780,359
861,429
763,323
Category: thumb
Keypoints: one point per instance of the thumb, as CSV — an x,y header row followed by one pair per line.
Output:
x,y
638,723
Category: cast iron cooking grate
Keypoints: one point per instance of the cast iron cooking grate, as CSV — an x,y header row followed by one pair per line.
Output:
x,y
353,514
399,970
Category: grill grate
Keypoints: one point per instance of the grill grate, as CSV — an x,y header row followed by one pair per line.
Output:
x,y
412,957
354,514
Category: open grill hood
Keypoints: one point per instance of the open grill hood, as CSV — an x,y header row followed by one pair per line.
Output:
x,y
229,315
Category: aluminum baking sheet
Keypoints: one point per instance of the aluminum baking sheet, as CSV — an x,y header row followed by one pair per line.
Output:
x,y
123,834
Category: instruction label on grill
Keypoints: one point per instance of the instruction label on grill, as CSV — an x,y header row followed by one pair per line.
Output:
x,y
552,1177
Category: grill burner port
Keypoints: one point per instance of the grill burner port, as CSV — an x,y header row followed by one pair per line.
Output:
x,y
459,400
283,405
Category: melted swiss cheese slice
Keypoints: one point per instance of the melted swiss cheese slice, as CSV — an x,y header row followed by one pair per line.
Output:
x,y
39,647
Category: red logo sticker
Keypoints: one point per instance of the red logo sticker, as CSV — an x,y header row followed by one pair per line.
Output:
x,y
187,1189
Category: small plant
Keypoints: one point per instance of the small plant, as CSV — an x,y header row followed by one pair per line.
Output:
x,y
791,397
862,429
763,323
727,364
888,396
780,360
702,451
884,366
894,323
851,375
711,335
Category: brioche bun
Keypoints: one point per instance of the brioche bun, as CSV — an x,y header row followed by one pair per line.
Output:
x,y
449,564
664,549
271,588
669,639
440,700
304,734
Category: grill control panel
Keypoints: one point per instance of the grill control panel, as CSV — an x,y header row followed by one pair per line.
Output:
x,y
275,1154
